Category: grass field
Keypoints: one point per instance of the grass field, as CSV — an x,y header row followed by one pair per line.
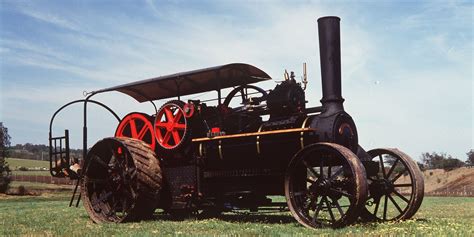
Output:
x,y
41,186
51,216
14,162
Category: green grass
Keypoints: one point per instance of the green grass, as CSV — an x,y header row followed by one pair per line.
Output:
x,y
31,173
14,162
42,186
438,216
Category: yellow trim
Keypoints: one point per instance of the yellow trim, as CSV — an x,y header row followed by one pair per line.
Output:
x,y
254,134
220,150
258,140
201,153
302,133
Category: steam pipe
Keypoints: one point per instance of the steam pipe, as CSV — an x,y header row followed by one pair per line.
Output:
x,y
330,57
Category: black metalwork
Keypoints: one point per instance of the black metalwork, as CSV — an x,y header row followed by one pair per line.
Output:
x,y
395,191
207,156
59,156
325,186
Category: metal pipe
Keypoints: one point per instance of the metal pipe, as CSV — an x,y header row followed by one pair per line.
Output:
x,y
330,57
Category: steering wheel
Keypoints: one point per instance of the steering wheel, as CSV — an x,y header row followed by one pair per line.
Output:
x,y
244,95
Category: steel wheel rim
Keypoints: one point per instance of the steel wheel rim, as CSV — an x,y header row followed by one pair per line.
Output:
x,y
320,203
399,176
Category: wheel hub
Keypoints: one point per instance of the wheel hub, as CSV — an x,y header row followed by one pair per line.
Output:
x,y
381,187
321,187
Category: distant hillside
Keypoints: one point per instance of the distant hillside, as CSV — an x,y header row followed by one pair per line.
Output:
x,y
439,180
36,151
458,180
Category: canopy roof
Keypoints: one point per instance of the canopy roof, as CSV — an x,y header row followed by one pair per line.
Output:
x,y
191,82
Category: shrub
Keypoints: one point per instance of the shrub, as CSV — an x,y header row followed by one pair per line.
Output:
x,y
22,190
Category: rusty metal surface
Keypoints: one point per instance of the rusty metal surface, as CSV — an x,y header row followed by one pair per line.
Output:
x,y
385,185
324,187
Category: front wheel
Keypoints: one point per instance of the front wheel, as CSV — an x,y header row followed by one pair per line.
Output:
x,y
325,185
396,192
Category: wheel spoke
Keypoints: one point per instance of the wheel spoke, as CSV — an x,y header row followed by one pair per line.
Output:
x,y
395,203
329,170
100,161
161,125
402,185
169,115
321,168
311,169
133,128
342,192
377,203
178,116
338,207
328,203
142,132
401,196
176,137
167,137
312,201
382,166
385,207
337,173
392,168
179,126
398,176
318,209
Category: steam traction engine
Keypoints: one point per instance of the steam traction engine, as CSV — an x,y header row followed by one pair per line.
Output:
x,y
194,156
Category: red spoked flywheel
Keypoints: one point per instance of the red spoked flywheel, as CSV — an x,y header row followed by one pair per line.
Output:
x,y
138,126
171,125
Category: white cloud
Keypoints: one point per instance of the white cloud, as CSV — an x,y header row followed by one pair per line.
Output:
x,y
272,37
50,18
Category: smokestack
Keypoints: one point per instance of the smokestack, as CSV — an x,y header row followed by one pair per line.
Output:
x,y
330,57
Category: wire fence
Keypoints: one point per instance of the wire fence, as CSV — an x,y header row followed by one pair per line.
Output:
x,y
451,194
42,179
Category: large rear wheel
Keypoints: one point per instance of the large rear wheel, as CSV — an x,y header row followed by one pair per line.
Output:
x,y
325,185
122,180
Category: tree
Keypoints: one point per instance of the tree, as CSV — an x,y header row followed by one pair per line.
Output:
x,y
470,157
452,163
421,166
440,161
5,172
433,160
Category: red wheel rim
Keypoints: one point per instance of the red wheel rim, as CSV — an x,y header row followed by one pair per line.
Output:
x,y
138,126
170,126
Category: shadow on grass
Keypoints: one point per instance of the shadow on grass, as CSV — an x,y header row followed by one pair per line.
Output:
x,y
231,217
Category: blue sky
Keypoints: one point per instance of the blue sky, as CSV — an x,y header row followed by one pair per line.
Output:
x,y
407,66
